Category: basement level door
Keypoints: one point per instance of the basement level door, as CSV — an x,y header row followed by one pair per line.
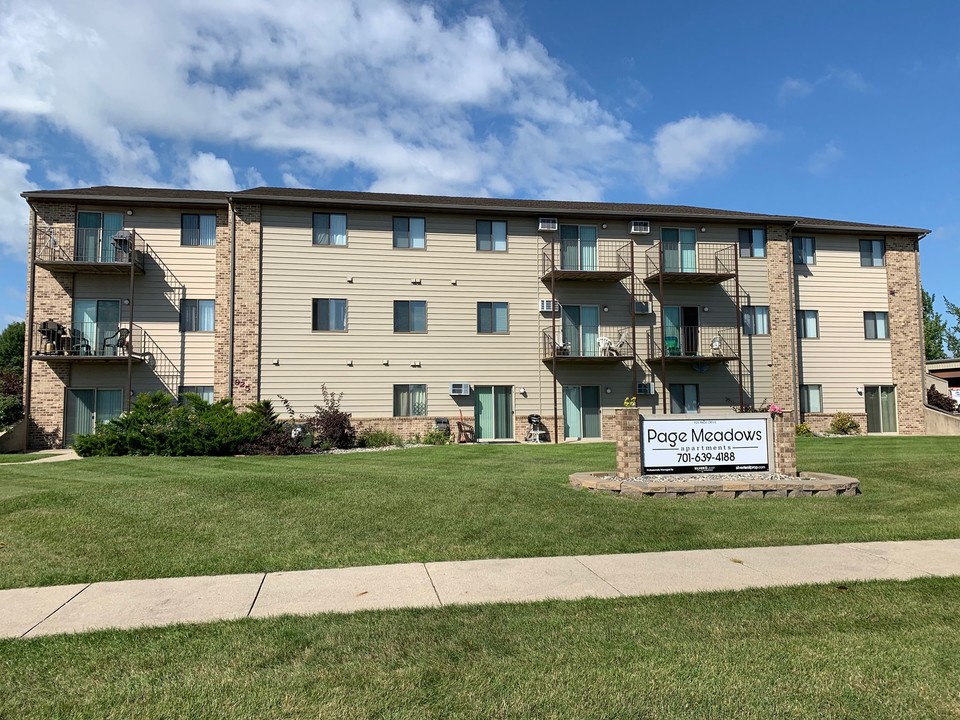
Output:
x,y
581,412
88,407
494,412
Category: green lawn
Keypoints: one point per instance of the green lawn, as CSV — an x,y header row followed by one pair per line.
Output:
x,y
873,651
7,459
118,518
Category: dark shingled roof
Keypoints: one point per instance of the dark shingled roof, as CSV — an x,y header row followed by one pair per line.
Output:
x,y
451,203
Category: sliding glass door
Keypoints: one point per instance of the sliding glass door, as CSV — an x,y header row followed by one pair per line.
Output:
x,y
581,412
88,407
95,231
881,406
679,249
494,412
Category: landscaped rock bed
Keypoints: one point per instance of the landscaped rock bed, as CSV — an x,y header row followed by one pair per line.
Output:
x,y
729,486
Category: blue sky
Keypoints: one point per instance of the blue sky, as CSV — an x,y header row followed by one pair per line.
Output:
x,y
843,110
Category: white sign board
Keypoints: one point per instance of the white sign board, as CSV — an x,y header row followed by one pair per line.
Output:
x,y
955,394
705,445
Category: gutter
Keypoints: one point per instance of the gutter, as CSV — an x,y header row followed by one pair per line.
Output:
x,y
230,304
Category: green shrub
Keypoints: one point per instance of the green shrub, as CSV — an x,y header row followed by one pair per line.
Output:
x,y
803,430
843,424
436,437
330,426
11,409
377,438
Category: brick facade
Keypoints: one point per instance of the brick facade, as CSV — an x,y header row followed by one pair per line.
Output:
x,y
820,422
628,442
906,332
783,345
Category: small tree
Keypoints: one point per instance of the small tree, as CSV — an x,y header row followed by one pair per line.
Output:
x,y
934,328
11,347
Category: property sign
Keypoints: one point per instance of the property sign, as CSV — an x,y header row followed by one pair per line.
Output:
x,y
705,445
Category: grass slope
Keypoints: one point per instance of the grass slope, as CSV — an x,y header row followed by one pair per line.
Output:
x,y
873,651
119,518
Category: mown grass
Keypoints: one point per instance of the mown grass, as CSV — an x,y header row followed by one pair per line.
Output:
x,y
873,650
7,459
120,518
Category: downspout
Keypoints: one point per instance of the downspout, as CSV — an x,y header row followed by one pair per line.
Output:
x,y
795,343
28,330
133,260
230,304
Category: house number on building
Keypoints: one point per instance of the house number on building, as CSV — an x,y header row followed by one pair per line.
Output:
x,y
705,445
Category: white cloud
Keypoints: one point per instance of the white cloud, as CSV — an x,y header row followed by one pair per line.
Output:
x,y
694,146
387,89
824,159
794,88
206,171
14,213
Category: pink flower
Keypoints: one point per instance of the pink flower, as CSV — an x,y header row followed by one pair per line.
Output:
x,y
776,409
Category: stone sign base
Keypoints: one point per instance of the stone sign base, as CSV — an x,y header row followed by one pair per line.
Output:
x,y
806,485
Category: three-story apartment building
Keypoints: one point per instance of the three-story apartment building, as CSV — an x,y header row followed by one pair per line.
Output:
x,y
419,307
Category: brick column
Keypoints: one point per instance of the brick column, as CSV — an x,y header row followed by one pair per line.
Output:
x,y
783,346
246,308
628,442
52,300
906,331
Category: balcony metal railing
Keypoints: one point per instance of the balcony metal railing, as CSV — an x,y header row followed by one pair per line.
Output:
x,y
700,258
90,246
571,257
89,339
588,342
692,342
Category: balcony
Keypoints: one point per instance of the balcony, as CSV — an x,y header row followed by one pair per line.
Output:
x,y
594,262
87,342
93,253
692,344
700,263
588,344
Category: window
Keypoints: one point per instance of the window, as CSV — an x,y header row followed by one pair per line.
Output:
x,y
871,253
875,326
329,229
330,314
409,232
811,398
684,399
753,242
196,316
204,391
198,230
410,316
492,235
808,324
804,251
492,317
409,400
756,320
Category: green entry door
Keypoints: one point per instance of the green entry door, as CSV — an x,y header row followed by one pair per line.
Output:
x,y
88,407
494,412
581,411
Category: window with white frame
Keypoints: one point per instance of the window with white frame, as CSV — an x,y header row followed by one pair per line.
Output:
x,y
804,251
409,232
330,314
204,391
197,315
409,316
872,253
409,400
811,398
492,318
492,235
753,242
808,324
756,320
198,230
876,326
329,229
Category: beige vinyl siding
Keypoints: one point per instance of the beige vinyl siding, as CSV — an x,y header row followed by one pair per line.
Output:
x,y
841,360
172,271
296,360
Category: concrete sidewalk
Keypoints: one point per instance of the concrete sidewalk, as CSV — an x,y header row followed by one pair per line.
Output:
x,y
31,612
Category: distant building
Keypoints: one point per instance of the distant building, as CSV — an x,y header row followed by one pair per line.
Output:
x,y
418,307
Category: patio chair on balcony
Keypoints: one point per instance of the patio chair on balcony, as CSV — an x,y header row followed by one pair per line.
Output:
x,y
672,345
119,341
716,346
75,343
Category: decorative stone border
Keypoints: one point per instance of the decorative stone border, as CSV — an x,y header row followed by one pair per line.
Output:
x,y
807,485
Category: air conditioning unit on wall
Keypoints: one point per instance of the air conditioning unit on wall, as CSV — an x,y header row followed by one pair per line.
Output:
x,y
548,224
639,227
641,307
459,388
645,389
549,306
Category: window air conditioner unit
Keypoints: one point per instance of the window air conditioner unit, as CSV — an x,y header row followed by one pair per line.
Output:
x,y
460,388
639,227
548,224
549,306
645,389
641,307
